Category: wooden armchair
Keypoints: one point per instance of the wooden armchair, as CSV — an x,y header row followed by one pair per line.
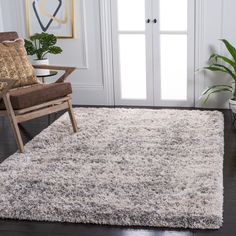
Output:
x,y
26,103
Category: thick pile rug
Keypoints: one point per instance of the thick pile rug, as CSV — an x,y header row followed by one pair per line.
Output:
x,y
132,167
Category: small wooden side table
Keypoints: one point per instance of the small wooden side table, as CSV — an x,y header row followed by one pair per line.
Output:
x,y
51,74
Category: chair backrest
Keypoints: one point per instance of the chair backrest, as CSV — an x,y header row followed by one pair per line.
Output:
x,y
8,36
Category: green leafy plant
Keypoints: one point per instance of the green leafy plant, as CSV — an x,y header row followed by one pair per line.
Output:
x,y
226,65
41,45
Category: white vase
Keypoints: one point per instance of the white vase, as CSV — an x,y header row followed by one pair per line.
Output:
x,y
232,105
41,72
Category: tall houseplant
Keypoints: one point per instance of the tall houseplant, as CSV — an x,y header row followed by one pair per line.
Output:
x,y
41,45
227,65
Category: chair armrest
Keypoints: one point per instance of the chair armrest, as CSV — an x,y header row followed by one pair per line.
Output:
x,y
10,83
68,70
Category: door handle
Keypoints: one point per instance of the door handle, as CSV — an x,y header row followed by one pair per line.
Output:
x,y
154,21
148,21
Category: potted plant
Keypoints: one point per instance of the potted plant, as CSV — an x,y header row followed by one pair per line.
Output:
x,y
226,65
40,45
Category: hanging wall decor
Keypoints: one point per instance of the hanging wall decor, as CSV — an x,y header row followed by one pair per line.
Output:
x,y
51,16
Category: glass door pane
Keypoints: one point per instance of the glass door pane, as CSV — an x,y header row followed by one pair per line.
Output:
x,y
173,15
131,15
174,67
133,66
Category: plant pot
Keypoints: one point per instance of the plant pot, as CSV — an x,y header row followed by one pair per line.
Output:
x,y
41,72
232,105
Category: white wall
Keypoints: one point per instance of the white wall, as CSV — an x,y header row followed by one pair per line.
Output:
x,y
89,51
215,20
84,51
1,20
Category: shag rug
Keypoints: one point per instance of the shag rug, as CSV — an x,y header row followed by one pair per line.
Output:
x,y
131,167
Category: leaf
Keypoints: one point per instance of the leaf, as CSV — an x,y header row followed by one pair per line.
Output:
x,y
213,56
212,68
35,37
227,70
225,59
216,91
29,47
224,69
216,86
55,50
230,48
48,40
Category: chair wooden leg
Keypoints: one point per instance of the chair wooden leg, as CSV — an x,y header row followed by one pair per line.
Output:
x,y
72,117
14,123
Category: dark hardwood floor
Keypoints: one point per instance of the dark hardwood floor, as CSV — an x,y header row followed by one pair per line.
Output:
x,y
27,228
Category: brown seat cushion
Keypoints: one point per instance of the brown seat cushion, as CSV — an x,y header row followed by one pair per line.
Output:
x,y
37,94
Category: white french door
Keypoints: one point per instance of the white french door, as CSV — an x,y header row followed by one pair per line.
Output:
x,y
153,52
132,51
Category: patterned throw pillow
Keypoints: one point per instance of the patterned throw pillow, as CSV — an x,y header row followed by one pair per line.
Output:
x,y
2,85
14,64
